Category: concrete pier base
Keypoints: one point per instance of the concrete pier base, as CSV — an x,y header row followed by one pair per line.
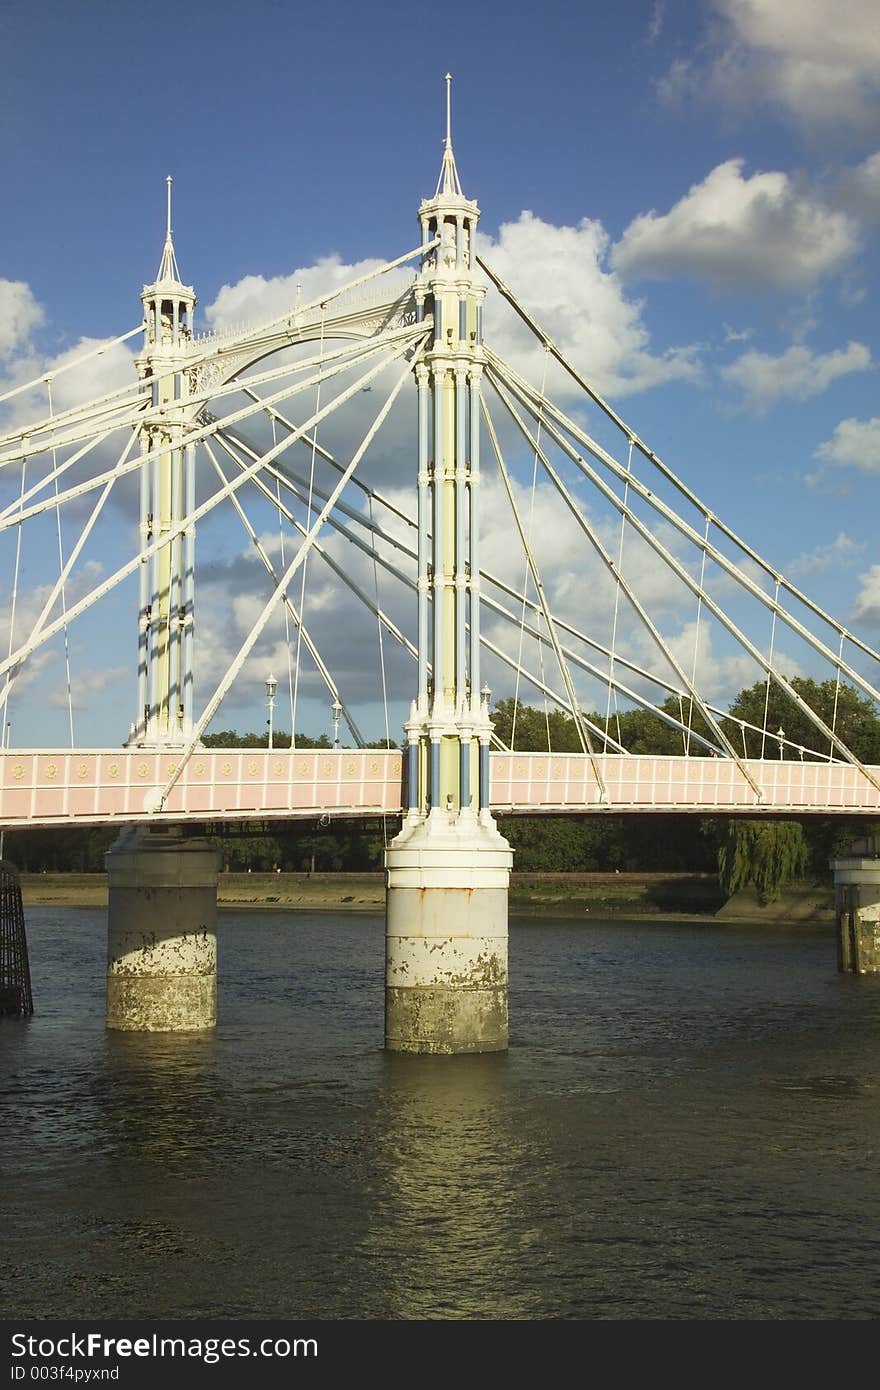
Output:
x,y
161,938
857,906
446,935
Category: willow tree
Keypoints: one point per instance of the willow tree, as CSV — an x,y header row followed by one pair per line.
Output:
x,y
766,854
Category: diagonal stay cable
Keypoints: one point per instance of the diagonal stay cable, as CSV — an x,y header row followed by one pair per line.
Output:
x,y
247,646
718,612
663,468
607,559
289,607
565,673
94,595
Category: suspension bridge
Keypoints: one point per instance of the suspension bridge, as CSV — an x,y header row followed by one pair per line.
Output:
x,y
418,539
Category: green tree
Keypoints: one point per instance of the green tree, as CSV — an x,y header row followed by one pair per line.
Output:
x,y
767,854
854,720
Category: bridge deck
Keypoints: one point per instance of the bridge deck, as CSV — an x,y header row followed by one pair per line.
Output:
x,y
60,787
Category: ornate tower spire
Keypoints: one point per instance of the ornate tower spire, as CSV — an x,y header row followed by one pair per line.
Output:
x,y
448,182
448,869
165,635
168,272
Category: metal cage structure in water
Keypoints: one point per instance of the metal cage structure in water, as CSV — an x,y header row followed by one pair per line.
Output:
x,y
16,998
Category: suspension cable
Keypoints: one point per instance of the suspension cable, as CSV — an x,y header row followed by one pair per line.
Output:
x,y
302,587
525,582
61,575
687,744
769,670
616,604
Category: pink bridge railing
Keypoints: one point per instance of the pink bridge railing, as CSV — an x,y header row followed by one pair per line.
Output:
x,y
567,781
124,785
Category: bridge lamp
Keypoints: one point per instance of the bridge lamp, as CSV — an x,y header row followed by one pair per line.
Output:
x,y
486,695
336,709
271,687
780,734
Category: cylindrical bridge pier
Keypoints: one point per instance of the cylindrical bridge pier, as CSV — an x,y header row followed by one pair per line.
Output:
x,y
161,938
857,907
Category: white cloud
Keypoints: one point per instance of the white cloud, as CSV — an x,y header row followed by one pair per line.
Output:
x,y
87,686
254,299
854,444
561,275
860,189
818,60
795,374
740,233
867,608
20,314
842,551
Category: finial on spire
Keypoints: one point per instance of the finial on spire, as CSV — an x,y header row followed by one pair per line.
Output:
x,y
168,270
449,108
448,181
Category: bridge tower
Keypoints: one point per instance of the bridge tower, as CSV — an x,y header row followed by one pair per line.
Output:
x,y
161,942
165,618
448,870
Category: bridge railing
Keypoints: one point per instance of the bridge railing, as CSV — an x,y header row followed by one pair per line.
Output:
x,y
60,787
567,781
89,787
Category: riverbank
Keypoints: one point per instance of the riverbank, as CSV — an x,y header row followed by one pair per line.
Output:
x,y
531,895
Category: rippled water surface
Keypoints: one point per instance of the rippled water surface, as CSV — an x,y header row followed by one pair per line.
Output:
x,y
686,1125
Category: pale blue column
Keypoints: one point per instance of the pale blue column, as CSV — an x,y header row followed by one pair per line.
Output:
x,y
144,583
461,501
423,485
465,773
412,776
435,772
484,776
189,587
475,538
438,536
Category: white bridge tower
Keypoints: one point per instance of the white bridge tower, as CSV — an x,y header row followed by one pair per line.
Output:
x,y
448,870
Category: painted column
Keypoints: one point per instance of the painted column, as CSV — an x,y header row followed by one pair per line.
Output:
x,y
161,940
857,905
424,483
448,870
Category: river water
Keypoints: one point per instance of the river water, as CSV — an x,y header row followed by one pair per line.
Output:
x,y
686,1126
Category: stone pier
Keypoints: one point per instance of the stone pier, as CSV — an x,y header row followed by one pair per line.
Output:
x,y
161,940
857,907
446,936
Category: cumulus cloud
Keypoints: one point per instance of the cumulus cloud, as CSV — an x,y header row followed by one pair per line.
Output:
x,y
739,232
842,551
854,444
859,189
795,374
254,298
560,273
20,315
563,276
867,609
88,686
818,61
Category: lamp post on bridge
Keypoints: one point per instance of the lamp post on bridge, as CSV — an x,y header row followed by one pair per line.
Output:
x,y
780,735
271,687
336,708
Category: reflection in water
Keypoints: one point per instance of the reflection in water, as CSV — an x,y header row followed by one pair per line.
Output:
x,y
158,1097
448,1223
685,1126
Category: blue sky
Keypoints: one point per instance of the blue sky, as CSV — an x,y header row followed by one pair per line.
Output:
x,y
703,182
